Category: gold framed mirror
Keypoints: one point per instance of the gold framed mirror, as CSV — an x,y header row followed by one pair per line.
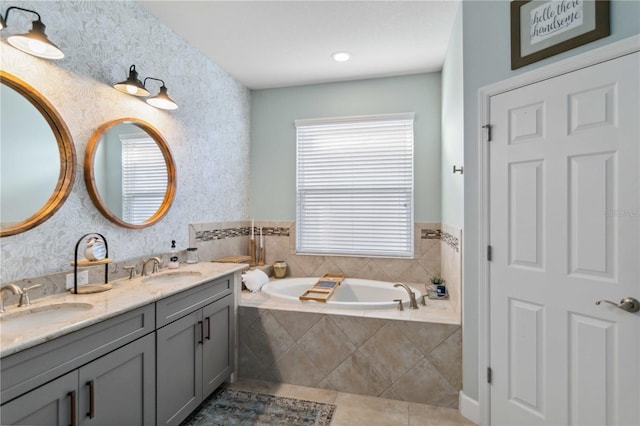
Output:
x,y
38,157
129,172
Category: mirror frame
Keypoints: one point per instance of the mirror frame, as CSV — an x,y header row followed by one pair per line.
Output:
x,y
65,147
89,175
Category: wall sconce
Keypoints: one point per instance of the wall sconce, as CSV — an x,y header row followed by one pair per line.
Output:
x,y
133,86
35,42
162,99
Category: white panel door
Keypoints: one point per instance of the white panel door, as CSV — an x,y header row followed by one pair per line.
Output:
x,y
565,232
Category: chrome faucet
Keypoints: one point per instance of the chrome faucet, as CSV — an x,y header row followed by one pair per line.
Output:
x,y
156,266
413,304
12,288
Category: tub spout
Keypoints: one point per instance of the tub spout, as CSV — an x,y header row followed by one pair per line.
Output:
x,y
413,304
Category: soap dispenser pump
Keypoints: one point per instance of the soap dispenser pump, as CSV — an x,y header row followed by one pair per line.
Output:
x,y
173,259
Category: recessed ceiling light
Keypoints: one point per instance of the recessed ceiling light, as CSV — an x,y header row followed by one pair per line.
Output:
x,y
341,56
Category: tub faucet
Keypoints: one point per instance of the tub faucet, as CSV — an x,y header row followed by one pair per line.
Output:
x,y
12,288
413,304
156,266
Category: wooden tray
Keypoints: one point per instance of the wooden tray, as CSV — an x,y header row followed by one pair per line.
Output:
x,y
233,259
92,288
85,262
324,288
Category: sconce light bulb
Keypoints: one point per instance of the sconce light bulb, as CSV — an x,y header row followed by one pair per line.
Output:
x,y
37,47
132,89
162,100
36,43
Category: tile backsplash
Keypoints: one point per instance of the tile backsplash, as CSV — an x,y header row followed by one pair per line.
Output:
x,y
222,239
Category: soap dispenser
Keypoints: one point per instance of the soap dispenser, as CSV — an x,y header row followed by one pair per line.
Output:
x,y
173,259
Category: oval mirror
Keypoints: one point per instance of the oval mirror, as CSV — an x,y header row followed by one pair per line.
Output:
x,y
37,157
129,173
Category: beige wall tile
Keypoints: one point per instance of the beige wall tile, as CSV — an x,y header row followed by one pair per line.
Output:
x,y
358,329
427,336
424,384
447,358
296,323
296,367
357,374
326,345
267,339
390,352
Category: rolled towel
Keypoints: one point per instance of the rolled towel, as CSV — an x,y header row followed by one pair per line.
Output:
x,y
254,279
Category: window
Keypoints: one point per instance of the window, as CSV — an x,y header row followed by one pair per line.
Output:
x,y
355,186
144,178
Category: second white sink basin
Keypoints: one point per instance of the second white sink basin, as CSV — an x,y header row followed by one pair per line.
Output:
x,y
176,277
22,320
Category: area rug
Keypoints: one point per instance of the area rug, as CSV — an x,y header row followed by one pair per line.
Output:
x,y
235,407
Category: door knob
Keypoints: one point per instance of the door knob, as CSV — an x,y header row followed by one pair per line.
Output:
x,y
628,304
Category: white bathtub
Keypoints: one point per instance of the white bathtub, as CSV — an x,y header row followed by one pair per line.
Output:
x,y
354,293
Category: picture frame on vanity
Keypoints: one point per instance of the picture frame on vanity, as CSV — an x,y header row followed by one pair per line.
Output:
x,y
540,29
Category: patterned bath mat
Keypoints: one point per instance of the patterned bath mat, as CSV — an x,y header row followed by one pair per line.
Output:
x,y
235,407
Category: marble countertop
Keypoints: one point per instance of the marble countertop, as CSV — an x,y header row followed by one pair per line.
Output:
x,y
124,296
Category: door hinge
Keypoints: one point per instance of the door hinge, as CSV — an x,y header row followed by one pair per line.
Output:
x,y
489,253
489,375
488,127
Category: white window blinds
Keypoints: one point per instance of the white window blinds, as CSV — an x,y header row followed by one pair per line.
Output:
x,y
355,186
144,178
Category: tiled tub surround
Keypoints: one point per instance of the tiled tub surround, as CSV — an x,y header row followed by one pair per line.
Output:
x,y
451,255
397,359
414,355
229,238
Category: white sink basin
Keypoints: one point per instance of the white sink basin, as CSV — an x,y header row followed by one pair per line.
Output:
x,y
22,320
176,277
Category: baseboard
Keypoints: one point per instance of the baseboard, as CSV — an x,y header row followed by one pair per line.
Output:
x,y
469,408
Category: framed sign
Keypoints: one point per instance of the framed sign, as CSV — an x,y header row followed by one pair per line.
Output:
x,y
540,29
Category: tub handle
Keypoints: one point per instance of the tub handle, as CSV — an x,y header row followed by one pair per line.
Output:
x,y
423,302
400,307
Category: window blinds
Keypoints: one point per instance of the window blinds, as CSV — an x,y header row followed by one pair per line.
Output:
x,y
144,178
355,186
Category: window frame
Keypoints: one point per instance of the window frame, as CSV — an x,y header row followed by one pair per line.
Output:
x,y
405,194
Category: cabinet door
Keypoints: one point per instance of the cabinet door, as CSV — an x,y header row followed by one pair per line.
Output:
x,y
119,388
179,362
217,354
50,404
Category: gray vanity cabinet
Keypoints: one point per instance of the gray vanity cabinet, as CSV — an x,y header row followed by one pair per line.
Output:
x,y
179,374
119,388
217,347
47,384
116,389
194,351
50,404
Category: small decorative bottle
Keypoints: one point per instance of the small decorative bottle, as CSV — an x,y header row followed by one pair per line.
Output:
x,y
173,259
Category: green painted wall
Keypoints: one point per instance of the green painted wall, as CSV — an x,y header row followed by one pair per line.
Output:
x,y
273,136
453,129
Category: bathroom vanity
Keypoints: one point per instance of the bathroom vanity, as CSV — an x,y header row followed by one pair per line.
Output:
x,y
147,352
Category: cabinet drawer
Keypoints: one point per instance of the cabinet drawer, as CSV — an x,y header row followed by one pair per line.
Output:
x,y
35,366
181,304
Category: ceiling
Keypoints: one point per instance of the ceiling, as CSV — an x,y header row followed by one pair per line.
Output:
x,y
267,44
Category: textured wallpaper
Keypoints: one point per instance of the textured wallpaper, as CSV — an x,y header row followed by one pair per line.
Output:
x,y
208,135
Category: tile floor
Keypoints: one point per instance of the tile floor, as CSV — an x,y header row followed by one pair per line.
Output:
x,y
356,410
